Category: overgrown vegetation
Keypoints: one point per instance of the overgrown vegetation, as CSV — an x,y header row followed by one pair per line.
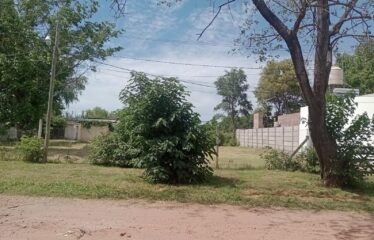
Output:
x,y
109,150
353,138
30,149
248,188
159,131
306,161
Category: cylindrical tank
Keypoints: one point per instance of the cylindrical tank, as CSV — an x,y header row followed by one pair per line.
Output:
x,y
336,76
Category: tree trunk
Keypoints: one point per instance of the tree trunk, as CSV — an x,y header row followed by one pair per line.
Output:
x,y
324,144
326,148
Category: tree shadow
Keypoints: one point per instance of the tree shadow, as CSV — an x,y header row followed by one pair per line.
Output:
x,y
365,189
362,229
218,181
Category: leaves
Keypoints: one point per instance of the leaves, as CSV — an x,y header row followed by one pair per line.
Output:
x,y
359,67
279,89
25,58
159,121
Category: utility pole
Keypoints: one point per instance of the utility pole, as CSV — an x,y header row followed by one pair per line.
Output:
x,y
217,146
51,94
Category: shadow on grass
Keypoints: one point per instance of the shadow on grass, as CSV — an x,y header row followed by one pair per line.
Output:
x,y
363,189
218,181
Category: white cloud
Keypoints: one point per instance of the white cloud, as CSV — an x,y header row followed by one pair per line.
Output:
x,y
104,86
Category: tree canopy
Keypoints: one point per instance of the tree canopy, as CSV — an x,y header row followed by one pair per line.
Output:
x,y
233,88
25,57
359,67
97,112
278,88
159,121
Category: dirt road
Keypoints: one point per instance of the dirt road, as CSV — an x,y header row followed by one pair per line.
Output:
x,y
55,218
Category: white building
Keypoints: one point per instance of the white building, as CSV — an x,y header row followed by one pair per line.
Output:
x,y
365,103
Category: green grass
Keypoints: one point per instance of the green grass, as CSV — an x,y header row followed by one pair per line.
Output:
x,y
260,188
240,158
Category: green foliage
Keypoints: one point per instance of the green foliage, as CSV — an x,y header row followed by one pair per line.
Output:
x,y
277,160
109,150
359,67
158,120
58,121
308,161
97,112
25,58
278,88
353,137
223,123
30,149
233,87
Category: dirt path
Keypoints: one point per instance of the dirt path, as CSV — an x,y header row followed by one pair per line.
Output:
x,y
55,218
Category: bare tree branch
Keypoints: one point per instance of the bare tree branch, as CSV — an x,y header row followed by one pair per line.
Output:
x,y
214,18
336,28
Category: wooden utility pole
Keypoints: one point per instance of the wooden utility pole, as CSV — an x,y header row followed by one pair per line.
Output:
x,y
217,147
51,94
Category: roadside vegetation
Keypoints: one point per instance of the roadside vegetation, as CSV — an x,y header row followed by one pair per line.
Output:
x,y
249,188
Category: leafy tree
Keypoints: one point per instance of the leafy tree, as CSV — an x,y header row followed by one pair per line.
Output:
x,y
158,121
278,88
354,138
359,67
222,124
316,26
232,87
97,112
25,57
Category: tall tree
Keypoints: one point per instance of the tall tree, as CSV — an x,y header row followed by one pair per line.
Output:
x,y
278,88
359,67
317,27
25,57
232,87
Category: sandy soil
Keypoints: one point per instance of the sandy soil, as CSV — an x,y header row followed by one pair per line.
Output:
x,y
55,218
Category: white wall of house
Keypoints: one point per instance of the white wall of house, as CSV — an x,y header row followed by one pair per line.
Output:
x,y
365,103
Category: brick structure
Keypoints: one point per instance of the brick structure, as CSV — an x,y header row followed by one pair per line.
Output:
x,y
289,120
258,120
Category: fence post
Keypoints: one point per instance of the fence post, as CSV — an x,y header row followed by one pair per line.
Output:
x,y
292,137
253,145
283,139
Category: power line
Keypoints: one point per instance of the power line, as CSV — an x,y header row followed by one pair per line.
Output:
x,y
126,70
154,75
187,64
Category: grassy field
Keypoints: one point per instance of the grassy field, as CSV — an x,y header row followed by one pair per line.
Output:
x,y
240,158
260,188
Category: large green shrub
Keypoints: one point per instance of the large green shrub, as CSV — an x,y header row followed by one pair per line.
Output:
x,y
109,150
158,120
30,149
277,160
353,137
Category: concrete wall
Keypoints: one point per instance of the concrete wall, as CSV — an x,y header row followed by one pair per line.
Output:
x,y
87,134
76,131
288,120
282,138
10,134
365,103
71,131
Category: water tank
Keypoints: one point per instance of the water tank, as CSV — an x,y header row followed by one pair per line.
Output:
x,y
336,76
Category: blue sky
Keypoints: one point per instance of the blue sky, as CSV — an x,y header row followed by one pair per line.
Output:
x,y
169,34
153,32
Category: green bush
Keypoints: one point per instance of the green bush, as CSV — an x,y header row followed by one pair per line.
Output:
x,y
30,149
353,138
277,160
160,122
109,150
308,161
